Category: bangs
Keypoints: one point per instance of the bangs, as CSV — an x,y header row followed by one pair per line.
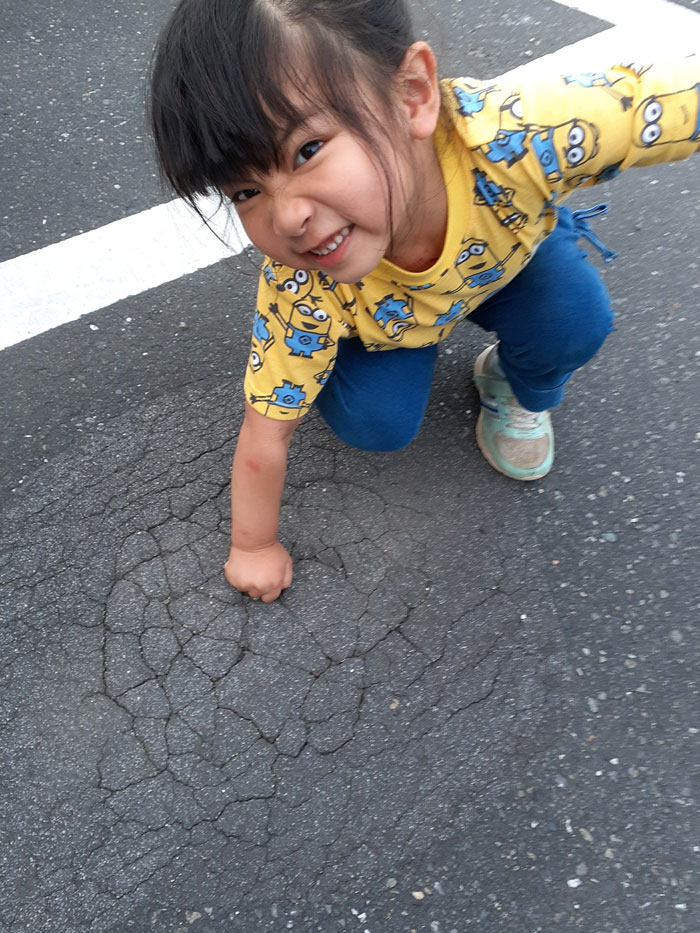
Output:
x,y
231,80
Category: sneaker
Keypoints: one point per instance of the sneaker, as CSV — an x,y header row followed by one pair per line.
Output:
x,y
515,441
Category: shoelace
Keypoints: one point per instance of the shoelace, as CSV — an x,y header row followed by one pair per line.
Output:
x,y
520,418
516,416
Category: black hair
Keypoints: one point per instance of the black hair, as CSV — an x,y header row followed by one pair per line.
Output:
x,y
225,71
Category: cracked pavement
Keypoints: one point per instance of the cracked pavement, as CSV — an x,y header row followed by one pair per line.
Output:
x,y
182,731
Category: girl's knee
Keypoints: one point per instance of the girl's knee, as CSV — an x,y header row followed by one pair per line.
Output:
x,y
574,335
375,434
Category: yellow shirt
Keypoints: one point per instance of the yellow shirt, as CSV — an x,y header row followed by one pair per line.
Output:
x,y
509,153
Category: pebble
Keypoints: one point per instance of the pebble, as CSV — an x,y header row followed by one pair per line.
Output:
x,y
592,705
676,636
574,882
609,536
391,882
419,895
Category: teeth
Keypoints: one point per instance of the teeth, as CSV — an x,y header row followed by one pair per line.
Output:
x,y
334,244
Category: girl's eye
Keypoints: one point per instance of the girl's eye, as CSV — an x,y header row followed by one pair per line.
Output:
x,y
307,151
240,197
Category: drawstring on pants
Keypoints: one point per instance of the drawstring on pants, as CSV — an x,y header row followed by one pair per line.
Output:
x,y
582,229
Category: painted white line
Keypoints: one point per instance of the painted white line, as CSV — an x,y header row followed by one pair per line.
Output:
x,y
643,31
649,13
619,44
62,282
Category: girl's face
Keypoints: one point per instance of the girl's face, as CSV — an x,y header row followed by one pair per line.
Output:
x,y
327,205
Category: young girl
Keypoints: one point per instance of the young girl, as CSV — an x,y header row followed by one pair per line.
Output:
x,y
389,206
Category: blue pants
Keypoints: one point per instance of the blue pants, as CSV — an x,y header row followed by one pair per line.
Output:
x,y
550,320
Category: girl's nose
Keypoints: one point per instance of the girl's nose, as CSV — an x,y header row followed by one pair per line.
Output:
x,y
291,213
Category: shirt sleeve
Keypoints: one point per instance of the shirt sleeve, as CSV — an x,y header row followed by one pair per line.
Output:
x,y
587,127
555,133
296,330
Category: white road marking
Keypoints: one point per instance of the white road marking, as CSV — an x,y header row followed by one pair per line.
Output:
x,y
648,13
64,281
643,31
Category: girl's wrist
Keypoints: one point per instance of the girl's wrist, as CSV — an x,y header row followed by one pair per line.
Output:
x,y
252,547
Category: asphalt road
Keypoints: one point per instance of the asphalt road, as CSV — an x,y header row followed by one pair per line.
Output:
x,y
476,708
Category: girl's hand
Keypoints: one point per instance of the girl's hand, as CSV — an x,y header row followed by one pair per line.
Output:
x,y
262,574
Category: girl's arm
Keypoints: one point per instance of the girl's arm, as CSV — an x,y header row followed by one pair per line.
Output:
x,y
257,563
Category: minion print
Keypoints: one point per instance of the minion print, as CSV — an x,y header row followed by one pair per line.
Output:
x,y
667,118
286,397
262,338
457,310
605,174
327,283
511,114
479,266
576,142
255,360
330,285
507,146
298,284
599,79
588,79
472,102
414,288
500,200
269,274
322,377
261,332
306,331
394,316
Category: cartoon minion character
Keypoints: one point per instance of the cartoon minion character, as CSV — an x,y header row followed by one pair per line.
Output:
x,y
255,360
667,118
394,315
588,79
307,330
297,283
478,265
471,102
560,148
262,339
288,399
488,193
510,114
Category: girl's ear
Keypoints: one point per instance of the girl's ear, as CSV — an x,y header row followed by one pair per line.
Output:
x,y
418,91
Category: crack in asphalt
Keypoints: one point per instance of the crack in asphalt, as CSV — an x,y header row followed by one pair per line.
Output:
x,y
219,744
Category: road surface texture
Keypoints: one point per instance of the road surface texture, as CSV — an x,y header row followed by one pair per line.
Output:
x,y
477,706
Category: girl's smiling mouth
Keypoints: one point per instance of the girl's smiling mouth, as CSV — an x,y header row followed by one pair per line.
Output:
x,y
332,244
